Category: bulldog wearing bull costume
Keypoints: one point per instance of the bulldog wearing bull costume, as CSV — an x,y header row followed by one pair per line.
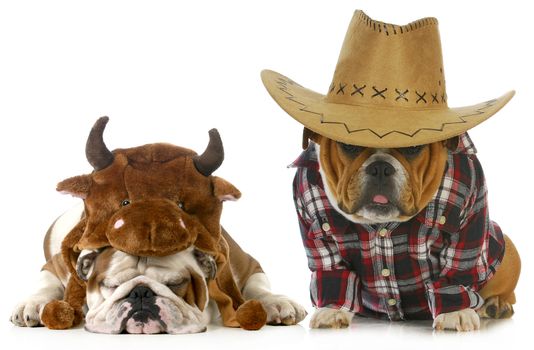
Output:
x,y
145,252
390,196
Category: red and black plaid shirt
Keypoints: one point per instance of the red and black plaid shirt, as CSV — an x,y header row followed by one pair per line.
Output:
x,y
432,264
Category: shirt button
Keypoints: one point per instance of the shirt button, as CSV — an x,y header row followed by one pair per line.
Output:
x,y
386,273
392,302
325,226
442,220
383,232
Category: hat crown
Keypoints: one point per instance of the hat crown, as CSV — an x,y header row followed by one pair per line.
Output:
x,y
390,65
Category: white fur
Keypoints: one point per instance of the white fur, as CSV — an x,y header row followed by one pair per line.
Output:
x,y
63,225
464,320
28,313
331,318
183,319
280,309
125,271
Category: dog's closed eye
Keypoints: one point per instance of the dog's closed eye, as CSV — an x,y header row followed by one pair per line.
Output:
x,y
178,286
109,284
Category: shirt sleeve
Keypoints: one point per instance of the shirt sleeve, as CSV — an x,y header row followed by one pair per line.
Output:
x,y
332,284
465,263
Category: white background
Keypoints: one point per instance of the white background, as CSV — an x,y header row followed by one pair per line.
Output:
x,y
169,71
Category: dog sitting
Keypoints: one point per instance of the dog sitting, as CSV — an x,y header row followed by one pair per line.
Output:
x,y
385,220
390,196
133,294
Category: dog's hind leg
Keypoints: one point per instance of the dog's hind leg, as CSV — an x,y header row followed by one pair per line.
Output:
x,y
498,293
495,307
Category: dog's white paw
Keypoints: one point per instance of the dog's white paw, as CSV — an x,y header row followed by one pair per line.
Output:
x,y
463,321
27,313
331,318
281,310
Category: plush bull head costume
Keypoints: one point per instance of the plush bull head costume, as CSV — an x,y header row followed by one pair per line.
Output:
x,y
153,200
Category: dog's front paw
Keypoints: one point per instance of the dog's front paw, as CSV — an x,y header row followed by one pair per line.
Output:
x,y
281,310
27,313
463,321
331,318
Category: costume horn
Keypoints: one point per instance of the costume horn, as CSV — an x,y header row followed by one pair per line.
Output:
x,y
96,151
213,156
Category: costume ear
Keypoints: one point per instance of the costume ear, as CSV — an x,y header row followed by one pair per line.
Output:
x,y
224,190
85,264
197,291
452,143
77,186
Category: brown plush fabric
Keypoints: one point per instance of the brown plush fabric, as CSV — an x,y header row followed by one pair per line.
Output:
x,y
66,313
153,200
58,314
251,315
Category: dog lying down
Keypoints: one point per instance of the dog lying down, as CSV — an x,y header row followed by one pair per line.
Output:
x,y
131,294
159,207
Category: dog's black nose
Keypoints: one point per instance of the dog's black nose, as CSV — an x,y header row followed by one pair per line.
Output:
x,y
380,169
141,292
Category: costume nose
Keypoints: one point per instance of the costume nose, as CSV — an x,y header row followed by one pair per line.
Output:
x,y
380,169
140,293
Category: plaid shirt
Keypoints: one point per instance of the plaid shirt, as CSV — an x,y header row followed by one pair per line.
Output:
x,y
432,264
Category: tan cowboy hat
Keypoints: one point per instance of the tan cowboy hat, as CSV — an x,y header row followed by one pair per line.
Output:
x,y
388,89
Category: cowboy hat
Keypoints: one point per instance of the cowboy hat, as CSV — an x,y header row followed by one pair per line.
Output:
x,y
388,89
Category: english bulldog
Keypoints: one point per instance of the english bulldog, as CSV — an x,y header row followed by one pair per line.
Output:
x,y
132,294
402,233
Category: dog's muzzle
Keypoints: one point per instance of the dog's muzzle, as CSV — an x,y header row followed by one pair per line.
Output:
x,y
144,314
382,179
380,186
143,305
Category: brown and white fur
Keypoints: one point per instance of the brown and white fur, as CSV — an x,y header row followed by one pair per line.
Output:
x,y
349,185
166,286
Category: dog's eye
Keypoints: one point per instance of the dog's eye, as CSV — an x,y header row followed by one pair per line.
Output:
x,y
178,283
178,286
108,285
125,202
350,149
410,151
180,205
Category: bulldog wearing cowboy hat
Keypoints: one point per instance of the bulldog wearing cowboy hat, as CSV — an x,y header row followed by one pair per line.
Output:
x,y
390,196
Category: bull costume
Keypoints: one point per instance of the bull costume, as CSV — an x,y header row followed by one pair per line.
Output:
x,y
128,194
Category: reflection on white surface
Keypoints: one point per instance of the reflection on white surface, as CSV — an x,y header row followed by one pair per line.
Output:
x,y
362,332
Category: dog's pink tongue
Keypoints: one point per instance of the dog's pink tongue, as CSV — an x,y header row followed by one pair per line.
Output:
x,y
380,199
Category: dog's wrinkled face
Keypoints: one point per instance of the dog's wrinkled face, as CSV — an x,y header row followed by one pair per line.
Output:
x,y
370,185
134,294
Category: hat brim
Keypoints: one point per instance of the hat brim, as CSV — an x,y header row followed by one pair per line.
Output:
x,y
373,126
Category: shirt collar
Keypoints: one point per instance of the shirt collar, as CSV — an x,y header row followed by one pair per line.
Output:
x,y
307,159
465,145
